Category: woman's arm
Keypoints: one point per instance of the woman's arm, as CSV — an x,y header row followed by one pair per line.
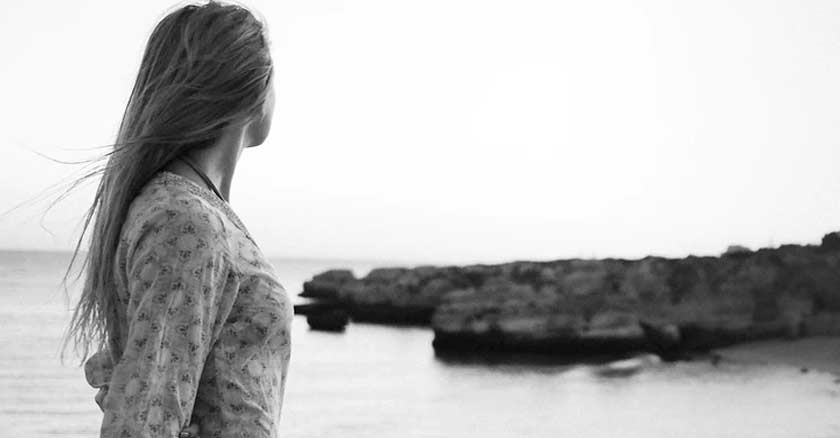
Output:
x,y
98,369
182,285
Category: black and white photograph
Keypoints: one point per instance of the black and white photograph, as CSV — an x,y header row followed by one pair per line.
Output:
x,y
438,219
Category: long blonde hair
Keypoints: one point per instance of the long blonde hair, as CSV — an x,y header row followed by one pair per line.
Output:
x,y
205,67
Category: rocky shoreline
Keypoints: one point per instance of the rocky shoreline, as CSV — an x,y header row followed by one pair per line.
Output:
x,y
672,307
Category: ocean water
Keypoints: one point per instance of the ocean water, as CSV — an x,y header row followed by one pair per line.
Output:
x,y
379,381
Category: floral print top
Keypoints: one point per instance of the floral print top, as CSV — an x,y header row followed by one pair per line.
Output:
x,y
204,323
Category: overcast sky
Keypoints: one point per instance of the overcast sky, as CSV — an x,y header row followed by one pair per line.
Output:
x,y
467,130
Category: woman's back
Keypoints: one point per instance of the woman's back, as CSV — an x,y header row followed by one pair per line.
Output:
x,y
204,330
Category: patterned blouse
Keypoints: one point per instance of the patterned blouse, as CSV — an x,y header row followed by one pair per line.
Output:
x,y
205,325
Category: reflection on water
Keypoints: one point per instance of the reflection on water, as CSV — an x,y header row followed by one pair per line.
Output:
x,y
532,361
377,381
388,374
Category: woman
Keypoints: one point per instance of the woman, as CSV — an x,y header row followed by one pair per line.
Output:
x,y
191,322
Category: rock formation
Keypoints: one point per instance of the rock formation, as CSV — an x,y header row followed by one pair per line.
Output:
x,y
571,307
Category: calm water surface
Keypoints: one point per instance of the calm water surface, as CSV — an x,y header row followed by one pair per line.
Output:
x,y
377,381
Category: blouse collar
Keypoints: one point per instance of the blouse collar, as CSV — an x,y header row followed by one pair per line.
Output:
x,y
205,193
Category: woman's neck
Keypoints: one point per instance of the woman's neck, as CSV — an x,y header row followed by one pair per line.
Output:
x,y
218,162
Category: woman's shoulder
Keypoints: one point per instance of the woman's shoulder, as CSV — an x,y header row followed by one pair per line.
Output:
x,y
167,205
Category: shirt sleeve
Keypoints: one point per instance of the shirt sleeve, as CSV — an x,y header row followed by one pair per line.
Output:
x,y
98,369
181,286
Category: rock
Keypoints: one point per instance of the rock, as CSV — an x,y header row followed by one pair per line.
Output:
x,y
821,324
326,285
831,242
614,324
316,307
399,295
663,338
327,315
628,367
737,251
330,320
505,316
576,307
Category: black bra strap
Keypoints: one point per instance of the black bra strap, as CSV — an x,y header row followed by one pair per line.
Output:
x,y
202,175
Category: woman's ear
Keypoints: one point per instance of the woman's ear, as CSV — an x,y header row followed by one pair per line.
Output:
x,y
259,129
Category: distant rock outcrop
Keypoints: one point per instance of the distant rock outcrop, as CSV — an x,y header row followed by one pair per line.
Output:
x,y
572,307
399,295
334,320
737,250
324,286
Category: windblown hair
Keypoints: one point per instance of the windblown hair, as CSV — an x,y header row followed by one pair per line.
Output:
x,y
205,67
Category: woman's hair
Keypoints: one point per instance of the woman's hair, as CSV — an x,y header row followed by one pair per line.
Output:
x,y
205,67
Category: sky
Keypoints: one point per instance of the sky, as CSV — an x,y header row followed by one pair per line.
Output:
x,y
461,131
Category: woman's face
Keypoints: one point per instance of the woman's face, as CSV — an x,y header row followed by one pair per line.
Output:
x,y
261,127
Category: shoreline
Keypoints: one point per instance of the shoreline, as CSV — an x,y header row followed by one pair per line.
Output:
x,y
821,353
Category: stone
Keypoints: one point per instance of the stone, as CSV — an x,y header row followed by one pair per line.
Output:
x,y
613,306
326,284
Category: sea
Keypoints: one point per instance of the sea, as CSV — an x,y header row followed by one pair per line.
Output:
x,y
384,381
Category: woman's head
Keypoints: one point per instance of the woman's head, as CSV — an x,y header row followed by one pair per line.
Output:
x,y
206,68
